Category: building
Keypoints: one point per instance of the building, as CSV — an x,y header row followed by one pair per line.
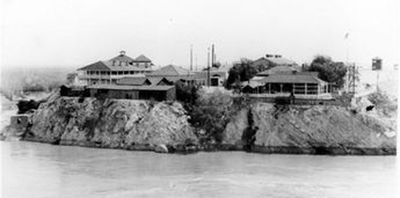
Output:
x,y
108,72
139,81
217,77
303,85
174,74
145,92
73,91
278,70
270,61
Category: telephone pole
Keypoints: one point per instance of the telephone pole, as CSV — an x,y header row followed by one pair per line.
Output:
x,y
208,67
191,57
212,55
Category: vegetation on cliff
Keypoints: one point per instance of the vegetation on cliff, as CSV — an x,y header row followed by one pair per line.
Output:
x,y
209,113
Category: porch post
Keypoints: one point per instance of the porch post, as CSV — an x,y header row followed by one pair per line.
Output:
x,y
269,85
305,88
293,88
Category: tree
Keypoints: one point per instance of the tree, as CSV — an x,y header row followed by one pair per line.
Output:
x,y
328,70
187,94
241,71
212,113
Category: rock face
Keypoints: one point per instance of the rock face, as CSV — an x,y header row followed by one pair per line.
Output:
x,y
310,130
260,127
124,124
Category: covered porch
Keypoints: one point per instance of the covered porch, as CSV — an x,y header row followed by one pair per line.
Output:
x,y
306,87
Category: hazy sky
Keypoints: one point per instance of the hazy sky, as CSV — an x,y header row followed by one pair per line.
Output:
x,y
79,32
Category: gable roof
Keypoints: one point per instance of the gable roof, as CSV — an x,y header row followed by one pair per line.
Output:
x,y
142,58
171,70
121,62
141,80
157,80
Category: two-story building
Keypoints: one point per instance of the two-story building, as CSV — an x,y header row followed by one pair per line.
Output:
x,y
108,72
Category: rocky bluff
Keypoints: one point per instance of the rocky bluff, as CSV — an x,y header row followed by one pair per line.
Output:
x,y
332,130
259,127
123,124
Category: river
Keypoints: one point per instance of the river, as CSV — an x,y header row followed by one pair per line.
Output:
x,y
43,170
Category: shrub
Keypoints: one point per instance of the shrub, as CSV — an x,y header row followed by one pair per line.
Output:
x,y
212,113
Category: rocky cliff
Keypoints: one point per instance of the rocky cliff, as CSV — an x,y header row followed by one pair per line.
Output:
x,y
259,127
124,124
321,129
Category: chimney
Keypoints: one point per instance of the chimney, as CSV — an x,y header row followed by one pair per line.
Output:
x,y
122,53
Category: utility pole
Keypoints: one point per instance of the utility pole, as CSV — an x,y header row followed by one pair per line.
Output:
x,y
212,55
195,60
377,81
352,78
208,67
191,57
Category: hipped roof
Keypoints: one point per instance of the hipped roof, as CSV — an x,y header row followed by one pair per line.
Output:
x,y
171,70
292,78
278,69
131,87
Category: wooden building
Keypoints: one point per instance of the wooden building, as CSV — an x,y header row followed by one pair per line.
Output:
x,y
139,81
302,85
218,76
73,91
108,72
174,74
145,92
275,60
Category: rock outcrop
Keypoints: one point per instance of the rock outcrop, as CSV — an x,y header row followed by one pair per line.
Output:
x,y
310,130
259,127
123,124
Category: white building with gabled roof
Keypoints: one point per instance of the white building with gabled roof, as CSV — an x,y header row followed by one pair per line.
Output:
x,y
108,72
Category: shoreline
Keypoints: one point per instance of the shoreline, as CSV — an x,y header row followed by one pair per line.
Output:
x,y
192,149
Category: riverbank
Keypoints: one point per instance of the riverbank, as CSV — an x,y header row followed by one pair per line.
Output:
x,y
164,127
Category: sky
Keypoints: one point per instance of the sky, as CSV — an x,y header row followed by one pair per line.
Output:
x,y
79,32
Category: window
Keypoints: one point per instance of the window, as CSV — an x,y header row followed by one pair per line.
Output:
x,y
312,89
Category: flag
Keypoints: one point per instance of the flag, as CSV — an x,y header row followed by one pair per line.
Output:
x,y
346,36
